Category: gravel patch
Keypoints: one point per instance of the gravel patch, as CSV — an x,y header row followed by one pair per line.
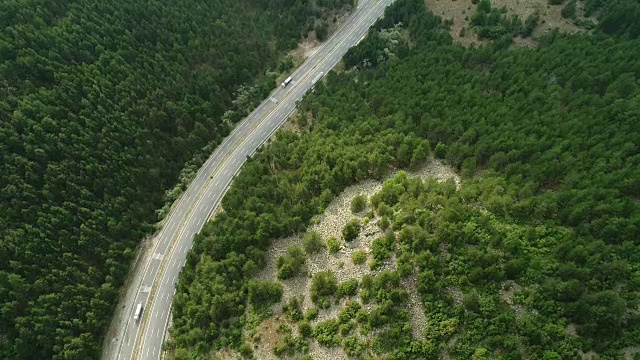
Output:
x,y
418,320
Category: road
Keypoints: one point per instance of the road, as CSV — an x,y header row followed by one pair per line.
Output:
x,y
155,289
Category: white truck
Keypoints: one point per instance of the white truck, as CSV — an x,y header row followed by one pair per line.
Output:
x,y
138,313
286,82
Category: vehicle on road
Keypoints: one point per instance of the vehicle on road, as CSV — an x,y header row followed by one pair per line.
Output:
x,y
138,313
286,82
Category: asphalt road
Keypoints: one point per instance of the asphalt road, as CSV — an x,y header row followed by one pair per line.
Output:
x,y
143,339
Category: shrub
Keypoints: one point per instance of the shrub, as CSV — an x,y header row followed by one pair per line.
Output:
x,y
323,286
326,333
440,151
264,293
405,264
384,223
311,314
383,246
569,10
354,346
322,30
292,263
292,309
366,288
348,288
530,24
312,242
333,245
351,230
471,302
384,210
358,203
289,345
304,328
349,312
359,257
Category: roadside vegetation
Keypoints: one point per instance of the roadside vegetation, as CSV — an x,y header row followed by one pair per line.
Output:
x,y
534,255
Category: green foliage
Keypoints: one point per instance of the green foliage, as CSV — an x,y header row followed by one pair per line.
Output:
x,y
348,288
384,223
358,203
322,29
354,346
530,24
312,242
617,17
359,257
323,286
305,329
383,246
494,23
288,345
326,333
333,245
569,10
264,293
366,288
311,314
440,151
351,230
292,309
292,263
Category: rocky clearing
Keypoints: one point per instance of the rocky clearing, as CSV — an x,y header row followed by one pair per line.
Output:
x,y
461,11
330,223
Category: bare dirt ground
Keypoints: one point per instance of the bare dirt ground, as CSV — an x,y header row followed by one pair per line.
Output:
x,y
461,11
329,224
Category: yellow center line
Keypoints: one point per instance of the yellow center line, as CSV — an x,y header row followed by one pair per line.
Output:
x,y
201,193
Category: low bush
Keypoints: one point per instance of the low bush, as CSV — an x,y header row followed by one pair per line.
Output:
x,y
326,333
351,230
358,203
312,242
264,293
323,286
304,328
348,288
292,263
333,245
359,257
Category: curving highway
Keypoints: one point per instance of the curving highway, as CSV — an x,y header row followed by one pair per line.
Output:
x,y
153,285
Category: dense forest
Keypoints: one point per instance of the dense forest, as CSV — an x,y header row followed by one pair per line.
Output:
x,y
101,104
546,140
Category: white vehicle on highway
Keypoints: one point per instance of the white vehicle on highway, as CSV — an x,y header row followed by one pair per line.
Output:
x,y
286,82
138,313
